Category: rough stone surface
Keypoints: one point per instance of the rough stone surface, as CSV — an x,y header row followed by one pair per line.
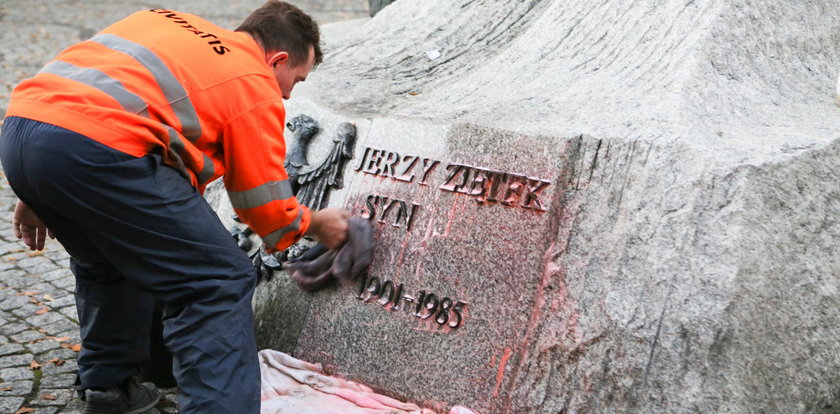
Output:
x,y
10,404
688,261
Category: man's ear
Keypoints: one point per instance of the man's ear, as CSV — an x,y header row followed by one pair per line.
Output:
x,y
278,58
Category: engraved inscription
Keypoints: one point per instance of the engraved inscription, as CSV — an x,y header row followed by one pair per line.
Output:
x,y
483,184
408,172
531,199
391,164
424,306
380,207
486,185
428,166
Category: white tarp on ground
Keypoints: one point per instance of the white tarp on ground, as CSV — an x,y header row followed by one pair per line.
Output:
x,y
292,386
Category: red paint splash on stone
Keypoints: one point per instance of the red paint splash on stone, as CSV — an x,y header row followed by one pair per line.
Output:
x,y
500,375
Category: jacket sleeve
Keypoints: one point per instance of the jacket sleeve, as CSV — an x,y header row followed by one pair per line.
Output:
x,y
257,183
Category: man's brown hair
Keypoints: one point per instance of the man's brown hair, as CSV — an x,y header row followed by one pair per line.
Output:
x,y
278,25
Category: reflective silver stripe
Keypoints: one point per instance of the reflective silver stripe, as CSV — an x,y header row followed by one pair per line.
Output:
x,y
264,194
99,80
206,172
172,89
274,237
177,147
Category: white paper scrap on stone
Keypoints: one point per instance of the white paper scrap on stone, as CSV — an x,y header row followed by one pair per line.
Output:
x,y
433,54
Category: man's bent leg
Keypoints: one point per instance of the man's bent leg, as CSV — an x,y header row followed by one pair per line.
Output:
x,y
113,320
111,346
206,283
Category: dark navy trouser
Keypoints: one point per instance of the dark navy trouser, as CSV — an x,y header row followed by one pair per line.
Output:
x,y
134,225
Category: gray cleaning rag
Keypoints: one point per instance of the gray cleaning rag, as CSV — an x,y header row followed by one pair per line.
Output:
x,y
318,266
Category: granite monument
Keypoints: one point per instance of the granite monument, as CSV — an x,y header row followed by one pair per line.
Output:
x,y
618,206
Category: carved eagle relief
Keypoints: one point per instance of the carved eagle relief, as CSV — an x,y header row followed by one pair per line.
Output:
x,y
311,184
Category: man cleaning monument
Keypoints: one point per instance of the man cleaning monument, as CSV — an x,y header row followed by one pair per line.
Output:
x,y
110,146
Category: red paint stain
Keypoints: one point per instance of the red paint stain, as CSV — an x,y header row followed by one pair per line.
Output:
x,y
403,247
501,373
554,274
430,227
449,221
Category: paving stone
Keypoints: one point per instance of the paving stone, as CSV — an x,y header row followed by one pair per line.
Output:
x,y
46,319
15,360
53,362
12,243
40,287
64,299
10,404
59,256
60,353
16,388
70,313
46,410
15,256
9,246
16,374
69,365
26,311
40,266
40,347
58,381
64,283
53,329
52,397
56,274
14,302
12,348
12,328
5,265
27,336
15,278
72,333
28,260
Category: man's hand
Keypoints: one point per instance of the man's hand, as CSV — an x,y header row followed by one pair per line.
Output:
x,y
29,227
329,226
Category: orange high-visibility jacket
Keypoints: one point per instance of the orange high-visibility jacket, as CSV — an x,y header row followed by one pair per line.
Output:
x,y
173,83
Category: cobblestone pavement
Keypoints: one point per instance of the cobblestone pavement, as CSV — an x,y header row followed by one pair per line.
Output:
x,y
39,335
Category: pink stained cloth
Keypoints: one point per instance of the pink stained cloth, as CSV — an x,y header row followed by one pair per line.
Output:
x,y
292,386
